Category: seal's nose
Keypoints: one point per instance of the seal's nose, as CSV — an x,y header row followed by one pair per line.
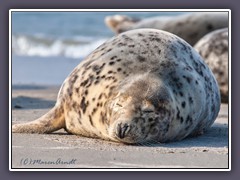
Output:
x,y
122,130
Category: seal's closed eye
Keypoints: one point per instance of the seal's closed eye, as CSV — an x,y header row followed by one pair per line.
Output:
x,y
119,105
147,110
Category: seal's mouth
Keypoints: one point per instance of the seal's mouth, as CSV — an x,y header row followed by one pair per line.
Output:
x,y
123,132
128,133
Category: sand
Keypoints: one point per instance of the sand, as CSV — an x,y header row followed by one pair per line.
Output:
x,y
61,150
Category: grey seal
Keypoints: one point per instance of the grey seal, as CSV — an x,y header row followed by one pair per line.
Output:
x,y
141,86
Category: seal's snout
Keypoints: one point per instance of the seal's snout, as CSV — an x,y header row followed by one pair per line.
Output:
x,y
122,130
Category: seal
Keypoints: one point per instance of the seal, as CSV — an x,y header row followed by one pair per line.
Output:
x,y
191,26
213,47
141,86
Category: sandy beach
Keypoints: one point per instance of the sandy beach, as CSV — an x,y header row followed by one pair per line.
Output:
x,y
42,58
61,150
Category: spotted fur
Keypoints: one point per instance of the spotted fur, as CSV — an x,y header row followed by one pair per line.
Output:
x,y
214,49
157,90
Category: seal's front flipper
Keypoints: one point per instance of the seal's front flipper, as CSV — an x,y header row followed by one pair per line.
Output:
x,y
50,122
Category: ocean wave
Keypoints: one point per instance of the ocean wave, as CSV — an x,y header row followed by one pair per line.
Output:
x,y
39,45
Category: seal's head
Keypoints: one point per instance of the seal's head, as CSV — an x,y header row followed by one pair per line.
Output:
x,y
120,23
141,112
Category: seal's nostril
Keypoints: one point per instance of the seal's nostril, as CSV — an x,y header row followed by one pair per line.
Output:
x,y
122,129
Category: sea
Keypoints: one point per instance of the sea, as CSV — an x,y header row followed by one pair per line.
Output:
x,y
46,46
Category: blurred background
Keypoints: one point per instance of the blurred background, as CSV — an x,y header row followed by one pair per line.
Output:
x,y
46,46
